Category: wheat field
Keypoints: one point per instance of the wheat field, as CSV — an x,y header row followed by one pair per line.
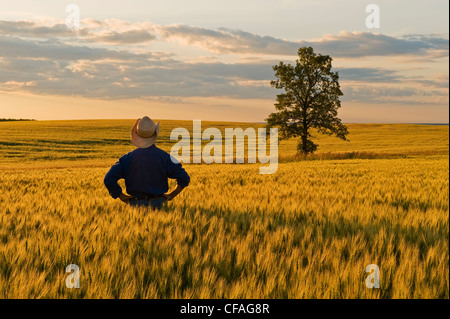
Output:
x,y
307,231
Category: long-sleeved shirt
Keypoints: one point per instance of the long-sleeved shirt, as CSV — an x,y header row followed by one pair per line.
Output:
x,y
146,172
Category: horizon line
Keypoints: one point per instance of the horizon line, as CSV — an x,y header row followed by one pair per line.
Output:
x,y
256,122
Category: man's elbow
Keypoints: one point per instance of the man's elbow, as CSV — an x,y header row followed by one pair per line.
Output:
x,y
106,181
111,186
184,183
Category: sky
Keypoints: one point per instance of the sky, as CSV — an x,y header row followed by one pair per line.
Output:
x,y
212,60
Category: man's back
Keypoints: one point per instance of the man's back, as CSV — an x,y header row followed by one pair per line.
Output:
x,y
146,172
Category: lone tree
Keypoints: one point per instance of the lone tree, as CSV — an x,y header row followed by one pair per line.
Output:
x,y
311,99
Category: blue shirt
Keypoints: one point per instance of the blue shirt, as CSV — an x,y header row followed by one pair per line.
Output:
x,y
146,172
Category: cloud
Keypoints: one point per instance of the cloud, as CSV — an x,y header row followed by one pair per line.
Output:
x,y
126,37
346,44
228,41
233,41
53,67
366,44
386,94
56,50
33,29
109,31
110,60
435,80
369,75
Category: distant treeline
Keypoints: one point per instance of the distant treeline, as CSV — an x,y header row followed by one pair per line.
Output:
x,y
10,120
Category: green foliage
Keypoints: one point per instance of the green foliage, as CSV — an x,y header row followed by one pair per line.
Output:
x,y
310,147
310,99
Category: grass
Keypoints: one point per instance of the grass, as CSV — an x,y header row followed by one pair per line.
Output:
x,y
308,231
106,140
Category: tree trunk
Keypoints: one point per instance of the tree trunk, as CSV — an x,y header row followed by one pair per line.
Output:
x,y
304,144
305,133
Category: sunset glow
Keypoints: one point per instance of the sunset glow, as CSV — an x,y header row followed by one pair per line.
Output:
x,y
214,62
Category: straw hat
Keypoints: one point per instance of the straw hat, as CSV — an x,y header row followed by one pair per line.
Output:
x,y
144,132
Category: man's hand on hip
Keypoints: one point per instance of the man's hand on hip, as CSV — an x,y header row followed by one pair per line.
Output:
x,y
125,198
174,194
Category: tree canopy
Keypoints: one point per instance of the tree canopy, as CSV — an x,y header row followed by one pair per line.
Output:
x,y
310,99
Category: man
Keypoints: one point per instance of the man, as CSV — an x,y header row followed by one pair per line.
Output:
x,y
146,170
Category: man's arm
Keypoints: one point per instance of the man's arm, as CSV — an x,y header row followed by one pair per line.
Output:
x,y
125,198
174,193
112,177
176,171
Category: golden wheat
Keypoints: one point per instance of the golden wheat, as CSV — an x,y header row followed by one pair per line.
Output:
x,y
308,231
